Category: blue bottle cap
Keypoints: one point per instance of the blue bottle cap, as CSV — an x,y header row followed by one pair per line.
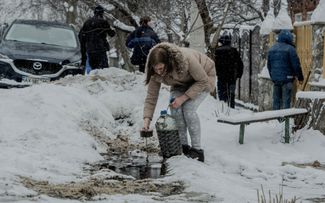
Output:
x,y
163,112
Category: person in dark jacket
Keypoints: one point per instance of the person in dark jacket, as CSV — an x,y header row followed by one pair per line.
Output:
x,y
141,41
229,67
93,40
284,66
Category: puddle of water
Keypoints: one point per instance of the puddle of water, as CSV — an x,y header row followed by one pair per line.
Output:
x,y
143,171
136,164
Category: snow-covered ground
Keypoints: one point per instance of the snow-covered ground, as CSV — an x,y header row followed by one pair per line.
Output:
x,y
49,131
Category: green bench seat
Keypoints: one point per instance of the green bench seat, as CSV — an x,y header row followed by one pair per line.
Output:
x,y
243,119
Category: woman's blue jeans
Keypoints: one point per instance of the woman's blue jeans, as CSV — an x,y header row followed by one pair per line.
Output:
x,y
282,92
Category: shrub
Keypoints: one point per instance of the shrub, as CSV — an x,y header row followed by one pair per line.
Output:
x,y
278,198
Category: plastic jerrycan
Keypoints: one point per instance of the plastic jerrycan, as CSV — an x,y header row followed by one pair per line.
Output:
x,y
167,132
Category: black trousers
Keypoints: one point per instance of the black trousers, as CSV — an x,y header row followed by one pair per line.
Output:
x,y
98,60
226,92
142,67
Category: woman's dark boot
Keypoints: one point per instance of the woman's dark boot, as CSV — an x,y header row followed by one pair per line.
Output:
x,y
186,149
196,154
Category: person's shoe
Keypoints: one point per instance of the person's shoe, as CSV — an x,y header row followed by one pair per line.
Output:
x,y
196,154
186,149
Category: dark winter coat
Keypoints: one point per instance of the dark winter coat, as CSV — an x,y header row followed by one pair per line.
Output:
x,y
283,62
93,36
229,65
141,40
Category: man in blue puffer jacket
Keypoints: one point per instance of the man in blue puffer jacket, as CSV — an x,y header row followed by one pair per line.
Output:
x,y
141,41
284,66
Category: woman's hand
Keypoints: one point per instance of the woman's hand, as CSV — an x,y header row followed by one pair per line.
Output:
x,y
146,123
179,101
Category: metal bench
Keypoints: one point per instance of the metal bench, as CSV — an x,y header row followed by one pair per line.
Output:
x,y
245,119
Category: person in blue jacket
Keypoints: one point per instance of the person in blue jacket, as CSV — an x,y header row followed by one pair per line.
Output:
x,y
141,41
284,67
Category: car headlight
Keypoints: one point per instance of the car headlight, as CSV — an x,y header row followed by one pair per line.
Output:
x,y
2,56
75,64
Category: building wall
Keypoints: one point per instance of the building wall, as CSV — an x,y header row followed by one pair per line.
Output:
x,y
196,38
301,6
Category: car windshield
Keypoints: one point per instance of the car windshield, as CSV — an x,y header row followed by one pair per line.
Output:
x,y
42,34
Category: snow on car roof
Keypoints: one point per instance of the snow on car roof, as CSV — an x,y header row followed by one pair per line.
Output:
x,y
42,22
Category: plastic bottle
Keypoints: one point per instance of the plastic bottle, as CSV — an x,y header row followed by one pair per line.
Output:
x,y
168,136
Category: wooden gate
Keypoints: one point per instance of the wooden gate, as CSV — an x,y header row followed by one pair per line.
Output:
x,y
304,50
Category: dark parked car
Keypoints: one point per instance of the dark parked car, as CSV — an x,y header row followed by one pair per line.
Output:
x,y
33,51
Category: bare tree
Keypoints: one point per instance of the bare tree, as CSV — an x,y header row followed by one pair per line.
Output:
x,y
172,17
231,12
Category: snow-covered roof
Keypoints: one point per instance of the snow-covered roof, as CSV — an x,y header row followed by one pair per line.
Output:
x,y
283,21
319,14
266,25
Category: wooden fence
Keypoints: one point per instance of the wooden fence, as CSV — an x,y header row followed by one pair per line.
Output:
x,y
304,39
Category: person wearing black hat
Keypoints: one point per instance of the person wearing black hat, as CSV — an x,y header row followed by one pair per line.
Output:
x,y
229,67
141,41
93,40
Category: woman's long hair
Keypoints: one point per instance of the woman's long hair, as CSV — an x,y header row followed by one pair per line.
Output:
x,y
158,55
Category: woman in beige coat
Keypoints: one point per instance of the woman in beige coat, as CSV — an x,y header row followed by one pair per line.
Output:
x,y
191,76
